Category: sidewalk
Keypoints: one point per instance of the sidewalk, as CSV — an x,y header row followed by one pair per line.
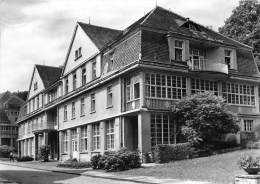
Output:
x,y
51,166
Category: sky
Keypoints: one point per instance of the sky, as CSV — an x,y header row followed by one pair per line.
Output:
x,y
39,31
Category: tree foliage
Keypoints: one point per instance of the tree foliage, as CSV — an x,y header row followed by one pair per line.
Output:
x,y
204,119
241,25
21,94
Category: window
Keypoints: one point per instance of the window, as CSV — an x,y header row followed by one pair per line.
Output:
x,y
92,102
37,102
73,110
74,141
82,106
109,96
65,113
66,85
228,58
65,142
94,75
35,86
178,50
96,137
235,93
248,125
74,81
78,53
162,130
132,89
165,86
84,138
200,86
83,76
33,102
110,135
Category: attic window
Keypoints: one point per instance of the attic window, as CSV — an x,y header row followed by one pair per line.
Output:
x,y
35,86
78,53
191,26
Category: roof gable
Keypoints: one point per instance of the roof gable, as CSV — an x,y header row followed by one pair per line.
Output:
x,y
100,36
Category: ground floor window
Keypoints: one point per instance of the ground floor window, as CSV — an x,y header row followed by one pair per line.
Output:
x,y
248,125
96,136
65,141
162,130
200,86
110,134
84,138
74,141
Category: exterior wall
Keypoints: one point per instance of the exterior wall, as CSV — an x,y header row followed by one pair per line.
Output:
x,y
101,112
88,49
35,78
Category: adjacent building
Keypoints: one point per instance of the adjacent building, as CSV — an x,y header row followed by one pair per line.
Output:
x,y
117,87
9,110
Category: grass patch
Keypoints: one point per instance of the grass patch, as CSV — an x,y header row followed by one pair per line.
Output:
x,y
220,168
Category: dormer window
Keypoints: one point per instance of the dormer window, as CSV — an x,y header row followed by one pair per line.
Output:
x,y
228,58
35,86
178,50
78,53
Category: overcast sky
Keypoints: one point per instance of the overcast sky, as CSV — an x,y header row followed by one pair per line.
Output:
x,y
39,31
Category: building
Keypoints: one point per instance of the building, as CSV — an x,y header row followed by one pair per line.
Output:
x,y
38,117
117,87
9,110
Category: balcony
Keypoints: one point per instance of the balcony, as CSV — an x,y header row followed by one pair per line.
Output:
x,y
45,126
204,65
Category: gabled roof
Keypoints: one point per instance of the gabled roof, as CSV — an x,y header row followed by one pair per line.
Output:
x,y
9,99
100,36
167,20
49,74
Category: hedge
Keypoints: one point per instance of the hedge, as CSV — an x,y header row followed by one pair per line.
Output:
x,y
24,159
116,161
166,153
73,163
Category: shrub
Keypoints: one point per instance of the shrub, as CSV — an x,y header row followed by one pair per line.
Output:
x,y
247,161
166,153
95,161
116,161
24,159
44,153
73,163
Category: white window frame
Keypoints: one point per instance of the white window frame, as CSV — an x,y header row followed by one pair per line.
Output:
x,y
162,86
239,94
131,93
83,75
109,96
110,134
248,125
200,86
176,47
92,102
65,111
84,138
228,55
74,80
73,110
65,142
82,106
94,70
96,137
74,139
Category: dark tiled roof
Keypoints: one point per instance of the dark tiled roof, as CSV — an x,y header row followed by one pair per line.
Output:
x,y
160,18
49,74
101,36
3,116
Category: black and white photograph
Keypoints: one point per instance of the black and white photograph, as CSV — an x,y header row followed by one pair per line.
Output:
x,y
125,92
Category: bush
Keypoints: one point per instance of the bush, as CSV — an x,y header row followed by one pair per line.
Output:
x,y
24,159
116,161
44,153
166,153
95,161
247,161
73,163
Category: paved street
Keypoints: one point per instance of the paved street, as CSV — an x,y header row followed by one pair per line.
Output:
x,y
19,175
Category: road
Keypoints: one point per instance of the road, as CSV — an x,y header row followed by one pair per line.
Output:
x,y
22,175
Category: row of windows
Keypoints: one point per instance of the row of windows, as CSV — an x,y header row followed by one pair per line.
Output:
x,y
165,86
83,137
236,93
174,87
92,104
83,78
28,127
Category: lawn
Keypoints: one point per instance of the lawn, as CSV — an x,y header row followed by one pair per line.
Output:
x,y
220,168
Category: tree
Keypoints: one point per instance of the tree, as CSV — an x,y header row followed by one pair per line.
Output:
x,y
241,25
204,119
21,94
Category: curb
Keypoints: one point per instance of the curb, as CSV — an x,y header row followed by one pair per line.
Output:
x,y
80,174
